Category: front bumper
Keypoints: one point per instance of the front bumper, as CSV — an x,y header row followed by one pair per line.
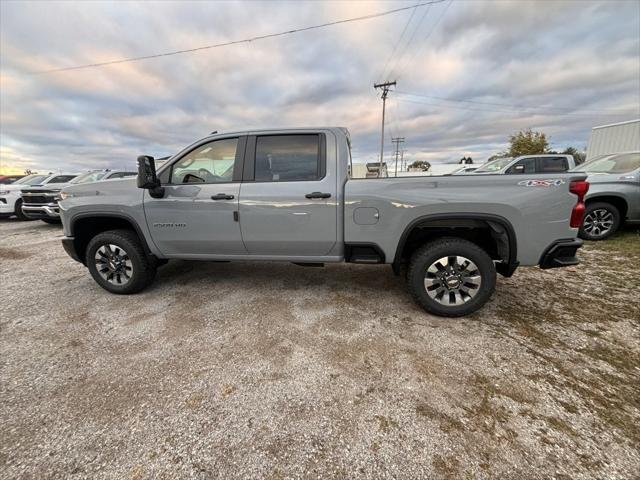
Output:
x,y
7,206
69,245
32,210
561,253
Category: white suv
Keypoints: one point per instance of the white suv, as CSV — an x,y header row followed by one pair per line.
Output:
x,y
10,201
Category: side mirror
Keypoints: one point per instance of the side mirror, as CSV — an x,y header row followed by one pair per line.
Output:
x,y
147,178
518,169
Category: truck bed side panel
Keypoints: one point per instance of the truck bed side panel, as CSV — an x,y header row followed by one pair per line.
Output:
x,y
539,212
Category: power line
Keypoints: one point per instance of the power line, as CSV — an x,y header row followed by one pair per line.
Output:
x,y
236,42
408,60
384,69
507,105
415,30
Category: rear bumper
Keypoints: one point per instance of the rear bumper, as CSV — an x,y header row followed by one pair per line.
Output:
x,y
561,253
50,210
68,243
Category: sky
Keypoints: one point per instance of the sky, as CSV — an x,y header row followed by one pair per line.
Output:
x,y
469,73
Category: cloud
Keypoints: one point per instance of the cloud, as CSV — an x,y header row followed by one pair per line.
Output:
x,y
577,63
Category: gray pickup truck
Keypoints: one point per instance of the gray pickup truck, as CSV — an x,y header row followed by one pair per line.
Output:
x,y
285,195
614,194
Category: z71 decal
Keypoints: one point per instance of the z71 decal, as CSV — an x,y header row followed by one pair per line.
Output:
x,y
554,182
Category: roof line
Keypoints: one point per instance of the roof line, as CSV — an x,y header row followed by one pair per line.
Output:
x,y
616,124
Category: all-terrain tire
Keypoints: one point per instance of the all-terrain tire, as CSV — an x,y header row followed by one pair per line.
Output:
x,y
601,220
142,270
437,255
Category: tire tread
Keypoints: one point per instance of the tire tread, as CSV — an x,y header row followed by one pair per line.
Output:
x,y
416,266
146,271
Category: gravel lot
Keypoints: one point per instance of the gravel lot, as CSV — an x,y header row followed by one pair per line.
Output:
x,y
279,371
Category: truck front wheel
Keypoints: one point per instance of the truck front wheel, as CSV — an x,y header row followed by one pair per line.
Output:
x,y
118,263
18,211
601,220
451,277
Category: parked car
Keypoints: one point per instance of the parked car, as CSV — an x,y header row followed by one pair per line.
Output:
x,y
9,179
10,200
100,175
41,202
463,170
614,194
284,195
548,163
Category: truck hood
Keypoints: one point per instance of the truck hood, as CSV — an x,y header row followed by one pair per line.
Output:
x,y
13,188
596,178
48,186
110,187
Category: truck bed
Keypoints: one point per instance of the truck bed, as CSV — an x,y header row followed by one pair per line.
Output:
x,y
537,208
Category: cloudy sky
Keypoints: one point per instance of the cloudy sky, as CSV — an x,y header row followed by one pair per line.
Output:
x,y
469,74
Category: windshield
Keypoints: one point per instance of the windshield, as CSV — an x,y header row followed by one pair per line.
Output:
x,y
622,163
88,177
31,180
23,180
495,165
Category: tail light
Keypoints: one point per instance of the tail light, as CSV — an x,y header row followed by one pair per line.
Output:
x,y
579,188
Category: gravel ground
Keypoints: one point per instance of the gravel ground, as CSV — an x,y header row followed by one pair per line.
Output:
x,y
277,371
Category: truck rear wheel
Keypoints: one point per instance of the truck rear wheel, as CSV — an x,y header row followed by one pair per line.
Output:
x,y
118,263
451,277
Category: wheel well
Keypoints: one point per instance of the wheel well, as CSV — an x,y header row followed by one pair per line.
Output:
x,y
618,202
494,237
84,229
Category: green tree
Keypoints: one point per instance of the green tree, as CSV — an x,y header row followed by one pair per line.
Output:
x,y
527,142
422,164
497,156
578,156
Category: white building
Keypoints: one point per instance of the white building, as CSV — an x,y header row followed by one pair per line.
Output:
x,y
614,138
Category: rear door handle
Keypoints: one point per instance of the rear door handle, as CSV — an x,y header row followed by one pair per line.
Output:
x,y
318,195
222,196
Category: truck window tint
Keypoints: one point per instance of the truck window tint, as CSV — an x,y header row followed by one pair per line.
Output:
x,y
209,163
552,164
287,158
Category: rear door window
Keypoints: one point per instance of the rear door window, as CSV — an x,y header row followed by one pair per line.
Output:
x,y
552,164
287,158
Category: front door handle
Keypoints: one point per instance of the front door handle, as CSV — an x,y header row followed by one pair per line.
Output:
x,y
222,196
318,195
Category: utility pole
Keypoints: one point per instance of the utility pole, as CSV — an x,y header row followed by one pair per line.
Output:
x,y
385,90
397,141
402,165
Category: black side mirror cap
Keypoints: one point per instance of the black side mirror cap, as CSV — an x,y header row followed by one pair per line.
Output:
x,y
147,178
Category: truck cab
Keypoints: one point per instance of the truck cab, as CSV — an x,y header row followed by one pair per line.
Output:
x,y
547,163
